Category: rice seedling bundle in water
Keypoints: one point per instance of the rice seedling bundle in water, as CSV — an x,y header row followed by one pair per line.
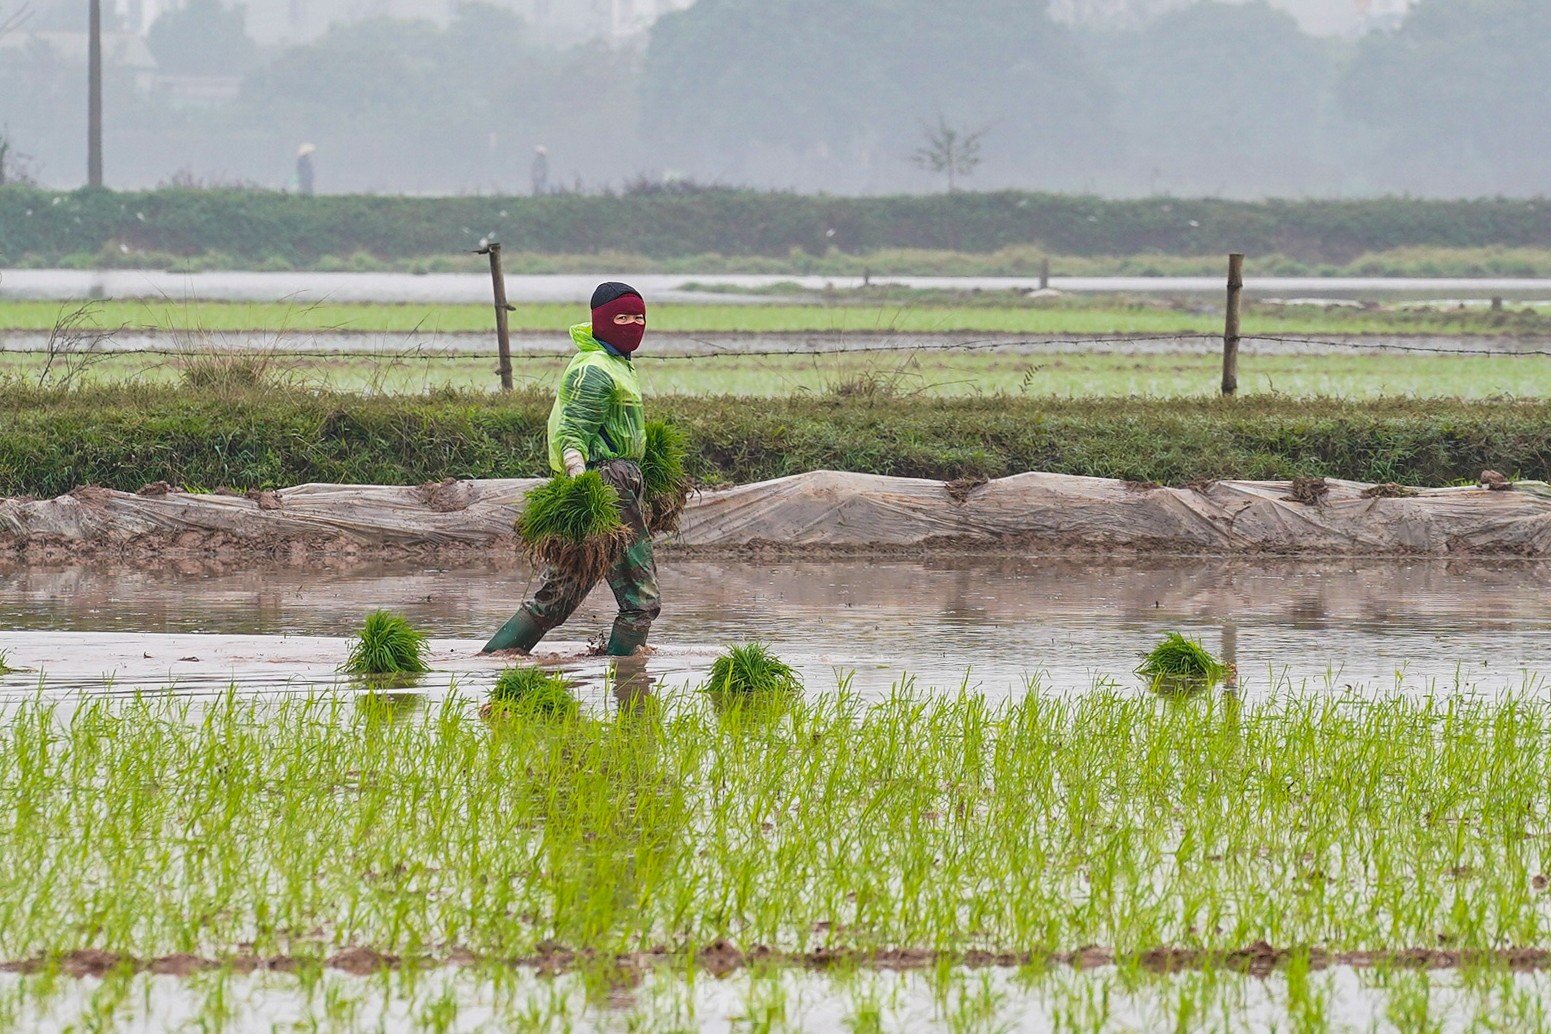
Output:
x,y
532,691
752,670
667,482
387,645
574,524
1180,665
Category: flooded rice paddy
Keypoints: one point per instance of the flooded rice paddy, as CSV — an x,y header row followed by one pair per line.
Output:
x,y
1011,1001
992,624
276,859
307,287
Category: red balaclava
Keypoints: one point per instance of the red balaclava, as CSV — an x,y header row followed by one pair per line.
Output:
x,y
611,300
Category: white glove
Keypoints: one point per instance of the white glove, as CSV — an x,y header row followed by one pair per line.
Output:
x,y
575,464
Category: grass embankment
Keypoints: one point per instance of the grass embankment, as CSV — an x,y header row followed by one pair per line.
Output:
x,y
849,312
258,227
125,437
928,826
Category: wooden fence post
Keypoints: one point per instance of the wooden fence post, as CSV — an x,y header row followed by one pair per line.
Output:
x,y
502,329
1044,273
1230,336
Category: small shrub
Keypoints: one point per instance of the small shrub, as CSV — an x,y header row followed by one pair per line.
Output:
x,y
387,645
666,479
752,670
574,524
1181,665
533,691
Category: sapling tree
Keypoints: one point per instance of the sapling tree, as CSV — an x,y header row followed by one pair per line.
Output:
x,y
949,151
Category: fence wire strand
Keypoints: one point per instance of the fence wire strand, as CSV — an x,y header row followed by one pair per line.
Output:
x,y
719,350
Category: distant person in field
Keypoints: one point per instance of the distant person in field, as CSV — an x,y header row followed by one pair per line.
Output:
x,y
540,171
598,423
304,173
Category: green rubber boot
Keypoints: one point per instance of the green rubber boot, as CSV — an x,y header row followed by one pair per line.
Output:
x,y
625,641
522,632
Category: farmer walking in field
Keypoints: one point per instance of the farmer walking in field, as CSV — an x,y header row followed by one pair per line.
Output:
x,y
597,423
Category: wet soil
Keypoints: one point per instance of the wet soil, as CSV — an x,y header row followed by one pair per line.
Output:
x,y
723,958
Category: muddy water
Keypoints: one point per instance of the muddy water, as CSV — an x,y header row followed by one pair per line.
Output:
x,y
993,623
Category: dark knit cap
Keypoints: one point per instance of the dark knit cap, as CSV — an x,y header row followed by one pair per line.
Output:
x,y
611,291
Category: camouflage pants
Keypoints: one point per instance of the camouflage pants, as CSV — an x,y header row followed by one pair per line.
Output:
x,y
633,578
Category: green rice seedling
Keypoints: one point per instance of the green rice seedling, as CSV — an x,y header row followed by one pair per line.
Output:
x,y
532,691
387,645
574,524
5,668
749,673
1180,666
667,481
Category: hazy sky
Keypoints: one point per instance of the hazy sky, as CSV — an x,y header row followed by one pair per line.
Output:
x,y
275,19
1326,17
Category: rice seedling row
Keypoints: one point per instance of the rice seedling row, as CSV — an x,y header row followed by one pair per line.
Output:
x,y
947,825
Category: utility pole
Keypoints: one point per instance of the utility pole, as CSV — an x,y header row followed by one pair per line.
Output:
x,y
94,98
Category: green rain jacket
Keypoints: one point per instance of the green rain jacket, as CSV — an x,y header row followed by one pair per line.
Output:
x,y
598,408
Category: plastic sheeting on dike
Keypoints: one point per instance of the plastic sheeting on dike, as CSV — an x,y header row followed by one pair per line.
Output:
x,y
806,513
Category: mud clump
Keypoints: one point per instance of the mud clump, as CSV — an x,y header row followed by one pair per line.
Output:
x,y
721,958
265,500
155,490
92,495
1142,486
446,496
92,962
180,965
362,962
1389,490
960,489
1308,491
1494,481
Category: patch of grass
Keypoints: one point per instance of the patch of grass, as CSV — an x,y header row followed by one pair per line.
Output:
x,y
5,667
387,645
574,524
752,670
227,371
666,478
533,691
1179,664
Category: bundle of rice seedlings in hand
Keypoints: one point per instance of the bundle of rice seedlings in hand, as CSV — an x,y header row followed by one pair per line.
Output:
x,y
752,670
667,482
387,645
531,691
574,525
1180,665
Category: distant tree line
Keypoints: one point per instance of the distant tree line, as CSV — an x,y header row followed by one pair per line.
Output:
x,y
1212,98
